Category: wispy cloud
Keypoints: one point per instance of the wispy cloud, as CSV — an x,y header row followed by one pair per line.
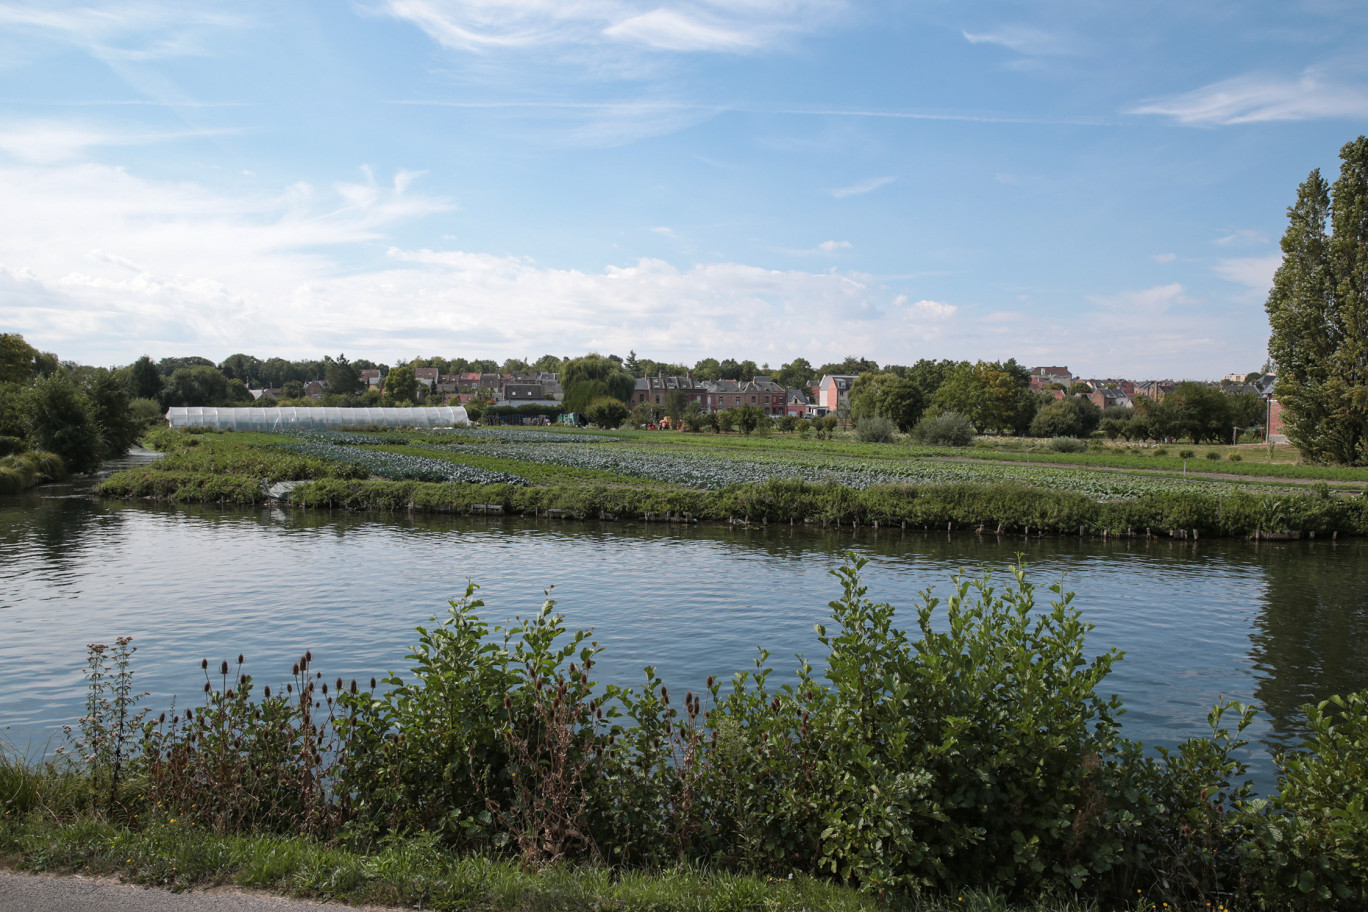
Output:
x,y
1027,40
833,246
1163,258
1260,99
131,30
1242,236
1255,273
1145,303
862,188
53,141
689,26
671,30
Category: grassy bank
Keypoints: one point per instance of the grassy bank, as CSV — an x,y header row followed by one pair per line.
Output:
x,y
577,476
421,873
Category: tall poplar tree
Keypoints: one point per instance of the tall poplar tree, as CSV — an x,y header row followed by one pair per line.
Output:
x,y
1318,310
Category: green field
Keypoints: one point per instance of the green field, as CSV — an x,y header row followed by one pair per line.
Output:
x,y
1001,486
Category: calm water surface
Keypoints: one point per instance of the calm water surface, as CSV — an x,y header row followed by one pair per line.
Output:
x,y
1277,625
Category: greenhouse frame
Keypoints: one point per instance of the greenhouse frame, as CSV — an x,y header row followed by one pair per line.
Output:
x,y
290,418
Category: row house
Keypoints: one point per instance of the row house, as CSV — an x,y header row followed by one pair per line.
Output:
x,y
370,378
1048,375
1155,390
656,390
713,396
1110,397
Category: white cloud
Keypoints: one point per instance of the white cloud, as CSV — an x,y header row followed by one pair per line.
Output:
x,y
131,30
1033,42
1163,258
1259,99
54,141
701,25
1146,302
1243,236
862,188
670,30
1256,273
833,246
100,265
926,310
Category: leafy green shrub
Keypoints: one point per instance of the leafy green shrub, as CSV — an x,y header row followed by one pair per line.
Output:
x,y
1213,455
1185,454
9,445
1234,457
1161,452
1312,845
874,429
945,429
1068,445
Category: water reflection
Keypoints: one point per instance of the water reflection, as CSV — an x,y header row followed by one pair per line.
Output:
x,y
1309,633
1276,625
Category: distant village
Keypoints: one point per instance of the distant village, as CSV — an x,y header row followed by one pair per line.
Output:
x,y
826,395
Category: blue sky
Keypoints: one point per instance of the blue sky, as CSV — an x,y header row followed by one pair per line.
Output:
x,y
1079,182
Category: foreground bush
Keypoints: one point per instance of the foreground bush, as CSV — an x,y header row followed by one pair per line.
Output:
x,y
975,749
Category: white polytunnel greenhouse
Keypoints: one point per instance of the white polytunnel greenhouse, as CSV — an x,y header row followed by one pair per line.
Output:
x,y
286,417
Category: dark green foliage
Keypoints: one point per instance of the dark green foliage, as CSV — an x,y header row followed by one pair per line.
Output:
x,y
994,397
874,429
401,386
593,377
1318,310
944,429
61,419
144,380
199,385
342,377
19,361
607,412
1309,849
1072,416
119,428
888,396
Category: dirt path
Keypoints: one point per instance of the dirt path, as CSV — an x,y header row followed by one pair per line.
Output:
x,y
46,893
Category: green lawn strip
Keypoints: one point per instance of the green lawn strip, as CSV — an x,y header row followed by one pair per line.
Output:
x,y
421,873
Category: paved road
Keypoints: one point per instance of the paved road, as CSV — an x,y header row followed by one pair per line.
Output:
x,y
43,893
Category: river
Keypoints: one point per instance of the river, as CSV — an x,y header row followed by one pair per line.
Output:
x,y
1274,624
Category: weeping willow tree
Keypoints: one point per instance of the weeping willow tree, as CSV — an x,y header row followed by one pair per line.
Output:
x,y
594,377
1318,310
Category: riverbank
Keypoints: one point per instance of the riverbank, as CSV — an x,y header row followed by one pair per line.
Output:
x,y
419,874
690,478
